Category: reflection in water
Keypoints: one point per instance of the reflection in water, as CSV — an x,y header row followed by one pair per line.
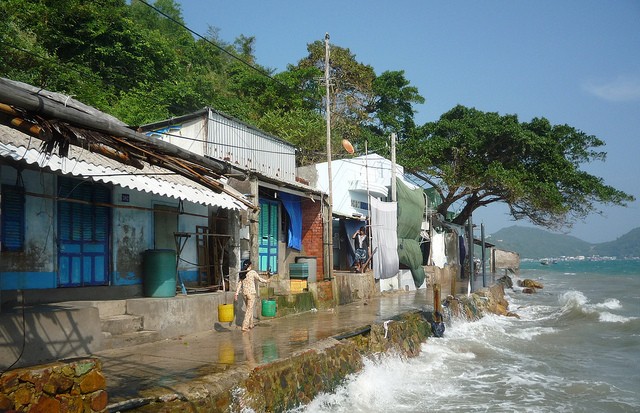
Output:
x,y
226,353
269,350
247,344
299,336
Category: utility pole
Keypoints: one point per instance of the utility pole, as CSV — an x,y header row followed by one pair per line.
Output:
x,y
470,255
484,272
393,167
330,195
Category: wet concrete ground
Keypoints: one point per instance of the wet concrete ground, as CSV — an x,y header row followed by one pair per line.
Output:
x,y
177,366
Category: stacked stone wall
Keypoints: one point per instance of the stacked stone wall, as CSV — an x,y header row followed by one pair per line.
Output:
x,y
62,387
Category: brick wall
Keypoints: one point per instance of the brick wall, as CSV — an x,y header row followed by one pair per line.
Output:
x,y
312,233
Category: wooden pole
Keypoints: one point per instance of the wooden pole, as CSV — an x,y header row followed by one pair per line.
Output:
x,y
437,306
329,190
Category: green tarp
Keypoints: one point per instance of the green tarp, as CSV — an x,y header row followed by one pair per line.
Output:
x,y
411,208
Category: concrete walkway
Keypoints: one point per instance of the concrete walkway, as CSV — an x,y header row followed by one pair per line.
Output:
x,y
224,354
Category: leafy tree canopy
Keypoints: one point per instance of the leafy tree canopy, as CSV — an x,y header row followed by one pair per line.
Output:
x,y
141,64
476,158
364,107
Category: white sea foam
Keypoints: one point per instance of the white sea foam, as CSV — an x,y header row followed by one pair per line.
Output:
x,y
531,333
538,363
610,303
607,317
573,299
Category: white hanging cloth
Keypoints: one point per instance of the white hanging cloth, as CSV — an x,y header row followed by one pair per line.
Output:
x,y
384,238
438,255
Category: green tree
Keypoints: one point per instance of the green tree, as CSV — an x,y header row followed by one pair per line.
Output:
x,y
364,107
351,89
476,158
391,110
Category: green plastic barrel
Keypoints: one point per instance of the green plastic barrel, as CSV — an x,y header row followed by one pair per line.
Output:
x,y
269,308
159,268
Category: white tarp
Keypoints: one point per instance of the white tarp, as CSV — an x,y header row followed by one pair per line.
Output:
x,y
384,236
438,255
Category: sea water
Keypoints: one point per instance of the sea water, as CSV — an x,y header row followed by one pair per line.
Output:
x,y
575,348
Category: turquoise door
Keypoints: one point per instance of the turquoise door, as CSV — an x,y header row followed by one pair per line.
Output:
x,y
268,242
83,233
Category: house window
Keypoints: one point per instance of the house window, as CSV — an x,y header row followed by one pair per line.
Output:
x,y
13,218
359,204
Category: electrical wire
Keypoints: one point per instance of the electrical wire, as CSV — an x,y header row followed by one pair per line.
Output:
x,y
84,73
262,72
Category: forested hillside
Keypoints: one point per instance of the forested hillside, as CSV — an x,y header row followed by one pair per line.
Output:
x,y
537,243
627,245
141,63
138,61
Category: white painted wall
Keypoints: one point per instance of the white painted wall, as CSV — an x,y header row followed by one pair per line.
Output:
x,y
351,179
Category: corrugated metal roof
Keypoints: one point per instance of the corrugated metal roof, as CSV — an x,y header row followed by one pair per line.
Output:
x,y
82,163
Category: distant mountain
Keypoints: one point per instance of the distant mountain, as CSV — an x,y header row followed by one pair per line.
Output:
x,y
537,243
627,245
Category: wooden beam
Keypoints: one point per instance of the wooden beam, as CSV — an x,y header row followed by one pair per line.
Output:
x,y
11,94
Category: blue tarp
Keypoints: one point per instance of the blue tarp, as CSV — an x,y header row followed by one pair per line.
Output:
x,y
292,206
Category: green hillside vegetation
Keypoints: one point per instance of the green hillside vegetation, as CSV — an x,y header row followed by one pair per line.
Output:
x,y
627,245
536,243
141,63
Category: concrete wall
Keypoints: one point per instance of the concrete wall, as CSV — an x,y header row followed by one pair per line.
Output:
x,y
48,333
176,316
34,267
504,261
351,287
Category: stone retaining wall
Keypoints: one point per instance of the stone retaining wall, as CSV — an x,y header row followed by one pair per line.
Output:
x,y
78,385
286,384
66,386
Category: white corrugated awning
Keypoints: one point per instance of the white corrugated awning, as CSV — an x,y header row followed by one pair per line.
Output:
x,y
84,164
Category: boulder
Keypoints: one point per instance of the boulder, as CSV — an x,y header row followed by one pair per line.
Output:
x,y
527,283
506,281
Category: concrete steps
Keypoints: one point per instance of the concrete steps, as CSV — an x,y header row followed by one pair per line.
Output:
x,y
110,341
121,324
120,329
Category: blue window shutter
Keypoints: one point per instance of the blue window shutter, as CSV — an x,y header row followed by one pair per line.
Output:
x,y
13,218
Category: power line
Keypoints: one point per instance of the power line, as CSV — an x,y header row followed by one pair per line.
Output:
x,y
262,72
84,73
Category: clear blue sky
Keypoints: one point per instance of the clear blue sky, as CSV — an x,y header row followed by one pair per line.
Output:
x,y
571,61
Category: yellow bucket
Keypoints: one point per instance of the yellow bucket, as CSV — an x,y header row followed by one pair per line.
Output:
x,y
225,313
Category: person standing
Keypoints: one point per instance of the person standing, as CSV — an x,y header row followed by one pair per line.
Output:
x,y
247,284
361,244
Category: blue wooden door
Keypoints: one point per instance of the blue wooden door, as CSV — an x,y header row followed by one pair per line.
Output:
x,y
83,233
268,242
